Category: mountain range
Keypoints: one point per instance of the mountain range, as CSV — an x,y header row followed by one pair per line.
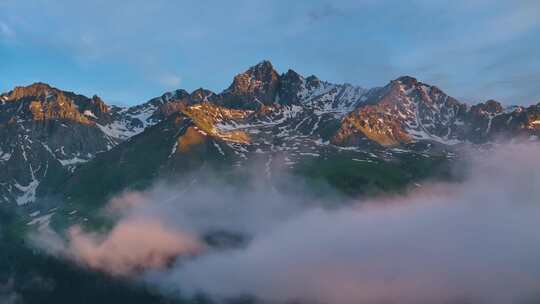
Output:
x,y
59,143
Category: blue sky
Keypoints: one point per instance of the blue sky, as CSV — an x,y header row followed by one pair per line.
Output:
x,y
130,51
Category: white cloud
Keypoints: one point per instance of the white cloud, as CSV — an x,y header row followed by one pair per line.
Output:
x,y
470,242
170,81
474,242
6,31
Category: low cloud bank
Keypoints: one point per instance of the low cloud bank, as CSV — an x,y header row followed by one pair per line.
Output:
x,y
155,228
477,241
131,245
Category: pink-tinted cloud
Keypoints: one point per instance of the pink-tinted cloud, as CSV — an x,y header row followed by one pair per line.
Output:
x,y
132,245
447,243
471,242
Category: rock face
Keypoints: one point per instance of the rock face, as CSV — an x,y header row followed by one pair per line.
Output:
x,y
46,133
254,88
408,111
404,111
261,86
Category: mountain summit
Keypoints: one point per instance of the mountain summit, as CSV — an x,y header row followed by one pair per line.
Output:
x,y
50,137
255,87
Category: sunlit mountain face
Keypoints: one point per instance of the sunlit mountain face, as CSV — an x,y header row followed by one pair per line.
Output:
x,y
151,199
49,133
271,185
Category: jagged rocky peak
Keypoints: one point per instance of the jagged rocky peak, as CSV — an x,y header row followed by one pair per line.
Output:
x,y
179,94
291,83
94,108
99,105
255,87
408,84
407,80
403,111
263,71
174,102
423,94
292,76
489,107
42,102
256,76
201,95
35,90
47,132
312,82
160,107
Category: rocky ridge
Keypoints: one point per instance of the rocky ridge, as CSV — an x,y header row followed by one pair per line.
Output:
x,y
47,133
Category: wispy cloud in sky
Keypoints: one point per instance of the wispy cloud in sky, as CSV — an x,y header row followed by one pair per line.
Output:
x,y
170,81
6,31
124,50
